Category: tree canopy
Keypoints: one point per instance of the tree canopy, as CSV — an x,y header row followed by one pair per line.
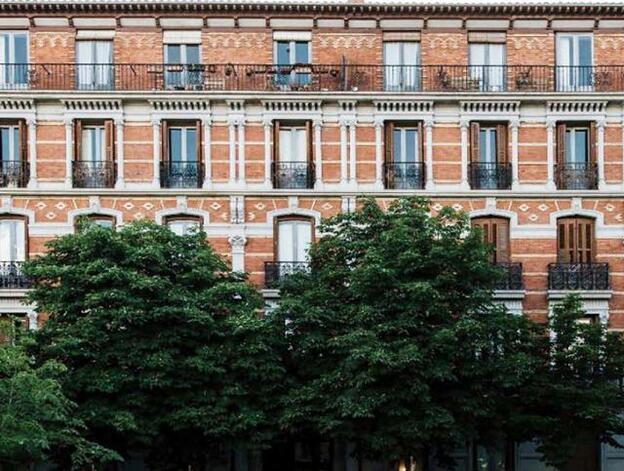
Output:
x,y
164,347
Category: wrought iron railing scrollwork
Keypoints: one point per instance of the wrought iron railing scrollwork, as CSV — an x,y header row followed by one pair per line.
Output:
x,y
181,174
404,175
293,175
511,277
94,173
576,176
275,272
489,175
578,276
12,277
14,173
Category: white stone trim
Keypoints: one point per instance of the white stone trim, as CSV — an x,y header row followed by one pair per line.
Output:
x,y
310,213
182,210
94,209
592,302
7,208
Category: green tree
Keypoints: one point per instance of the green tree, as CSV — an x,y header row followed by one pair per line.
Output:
x,y
164,346
394,343
36,418
577,394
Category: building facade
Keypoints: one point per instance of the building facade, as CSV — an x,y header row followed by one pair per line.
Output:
x,y
256,120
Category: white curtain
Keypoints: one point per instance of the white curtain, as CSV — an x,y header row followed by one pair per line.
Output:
x,y
103,59
293,144
84,59
294,238
12,238
183,227
564,61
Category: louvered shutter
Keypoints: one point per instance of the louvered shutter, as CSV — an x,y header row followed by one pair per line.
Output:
x,y
77,139
389,153
584,237
475,130
309,139
198,142
164,137
276,141
109,137
561,143
501,143
565,240
500,237
23,140
591,144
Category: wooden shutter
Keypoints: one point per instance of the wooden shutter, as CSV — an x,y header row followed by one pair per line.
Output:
x,y
575,240
496,233
23,140
561,140
109,136
421,141
276,140
198,141
502,143
164,141
77,139
475,130
309,139
500,237
591,142
389,153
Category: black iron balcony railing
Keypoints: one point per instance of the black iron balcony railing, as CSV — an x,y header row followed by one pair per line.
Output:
x,y
180,174
11,276
578,276
293,175
511,276
94,173
404,175
14,173
576,176
489,176
275,272
314,77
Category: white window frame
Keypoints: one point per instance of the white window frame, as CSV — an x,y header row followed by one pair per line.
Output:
x,y
293,151
403,136
489,79
183,53
17,244
565,80
188,224
183,143
294,223
11,59
292,53
571,150
14,144
86,151
402,79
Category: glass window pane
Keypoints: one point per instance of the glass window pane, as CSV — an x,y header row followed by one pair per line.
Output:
x,y
492,149
483,148
173,54
5,146
580,150
282,53
303,239
569,145
285,249
397,149
302,52
284,145
584,50
20,55
175,145
183,226
477,54
410,145
16,144
300,154
192,54
191,143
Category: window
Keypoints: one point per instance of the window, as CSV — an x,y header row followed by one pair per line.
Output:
x,y
13,141
94,165
576,156
10,327
575,240
487,66
94,63
12,240
183,225
186,70
93,146
102,220
289,56
404,167
293,155
496,234
574,62
401,65
181,154
489,165
13,59
294,237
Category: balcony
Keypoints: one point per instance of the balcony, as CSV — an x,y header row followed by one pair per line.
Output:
x,y
511,279
577,176
275,272
11,276
314,78
179,174
93,174
489,176
14,173
404,175
578,276
293,175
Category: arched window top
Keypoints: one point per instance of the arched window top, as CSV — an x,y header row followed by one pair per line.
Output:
x,y
496,233
183,224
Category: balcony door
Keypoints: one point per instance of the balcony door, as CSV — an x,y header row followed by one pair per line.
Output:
x,y
292,59
294,237
94,61
12,240
496,234
13,60
575,240
94,159
487,66
404,167
293,155
13,139
576,169
183,68
402,65
574,62
181,155
489,166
